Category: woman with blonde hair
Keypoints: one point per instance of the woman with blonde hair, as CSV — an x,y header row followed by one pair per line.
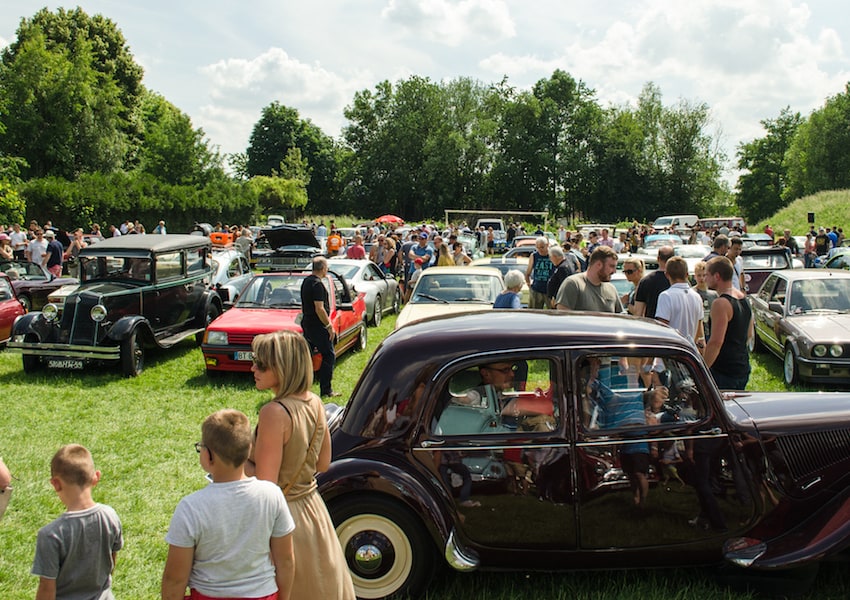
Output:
x,y
633,270
390,257
292,444
444,258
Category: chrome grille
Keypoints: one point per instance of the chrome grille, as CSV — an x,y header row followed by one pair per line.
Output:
x,y
808,453
82,330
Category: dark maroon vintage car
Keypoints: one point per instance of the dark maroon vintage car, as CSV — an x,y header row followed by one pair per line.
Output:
x,y
531,440
32,282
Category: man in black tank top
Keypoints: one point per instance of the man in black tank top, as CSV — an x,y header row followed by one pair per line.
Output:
x,y
726,353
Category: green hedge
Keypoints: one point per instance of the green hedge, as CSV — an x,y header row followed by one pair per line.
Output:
x,y
109,199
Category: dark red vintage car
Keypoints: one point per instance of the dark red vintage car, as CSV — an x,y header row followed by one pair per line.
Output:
x,y
32,282
531,440
10,309
270,302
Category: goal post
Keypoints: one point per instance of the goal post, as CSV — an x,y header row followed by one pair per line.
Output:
x,y
472,215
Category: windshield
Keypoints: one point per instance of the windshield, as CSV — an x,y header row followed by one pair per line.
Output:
x,y
116,267
692,251
280,291
456,288
820,295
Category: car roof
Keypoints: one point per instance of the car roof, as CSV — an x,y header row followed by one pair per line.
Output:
x,y
434,271
149,242
515,329
800,274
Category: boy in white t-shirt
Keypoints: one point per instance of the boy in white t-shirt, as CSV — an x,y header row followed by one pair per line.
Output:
x,y
233,538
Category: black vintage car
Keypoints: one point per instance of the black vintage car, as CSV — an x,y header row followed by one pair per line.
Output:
x,y
136,292
531,440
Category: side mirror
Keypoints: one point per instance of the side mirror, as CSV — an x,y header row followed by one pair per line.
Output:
x,y
345,306
775,307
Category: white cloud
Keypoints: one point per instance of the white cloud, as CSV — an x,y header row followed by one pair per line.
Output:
x,y
451,22
240,88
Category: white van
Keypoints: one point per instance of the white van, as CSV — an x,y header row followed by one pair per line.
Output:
x,y
676,223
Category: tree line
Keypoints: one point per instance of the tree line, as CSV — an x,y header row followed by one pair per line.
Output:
x,y
81,135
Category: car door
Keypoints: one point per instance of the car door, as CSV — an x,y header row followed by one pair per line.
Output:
x,y
376,279
774,289
653,471
500,455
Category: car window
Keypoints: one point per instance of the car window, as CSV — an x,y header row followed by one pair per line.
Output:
x,y
499,396
5,290
631,392
197,261
779,291
235,268
168,266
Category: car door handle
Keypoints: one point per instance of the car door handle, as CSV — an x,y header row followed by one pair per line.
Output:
x,y
433,443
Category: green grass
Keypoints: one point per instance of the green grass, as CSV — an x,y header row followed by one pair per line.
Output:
x,y
831,208
141,433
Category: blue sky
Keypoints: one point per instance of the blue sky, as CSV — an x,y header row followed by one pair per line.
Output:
x,y
222,62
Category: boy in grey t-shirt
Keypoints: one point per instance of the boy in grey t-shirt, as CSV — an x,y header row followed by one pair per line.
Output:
x,y
75,554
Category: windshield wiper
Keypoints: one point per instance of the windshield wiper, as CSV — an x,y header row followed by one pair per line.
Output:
x,y
434,298
472,300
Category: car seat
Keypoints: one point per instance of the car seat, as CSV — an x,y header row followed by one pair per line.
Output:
x,y
281,296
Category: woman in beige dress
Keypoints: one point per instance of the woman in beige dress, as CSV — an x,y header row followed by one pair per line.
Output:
x,y
291,445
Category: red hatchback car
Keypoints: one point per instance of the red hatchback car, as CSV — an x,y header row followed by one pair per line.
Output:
x,y
270,302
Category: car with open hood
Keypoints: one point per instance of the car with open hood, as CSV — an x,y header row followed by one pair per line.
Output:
x,y
136,292
293,247
271,302
515,440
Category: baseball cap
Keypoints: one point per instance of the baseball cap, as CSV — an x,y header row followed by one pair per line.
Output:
x,y
418,261
423,236
49,233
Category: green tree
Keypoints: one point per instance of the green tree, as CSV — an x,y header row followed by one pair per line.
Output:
x,y
761,186
70,87
818,158
279,130
171,149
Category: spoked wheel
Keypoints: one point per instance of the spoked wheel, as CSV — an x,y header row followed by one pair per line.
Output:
x,y
386,549
132,355
211,314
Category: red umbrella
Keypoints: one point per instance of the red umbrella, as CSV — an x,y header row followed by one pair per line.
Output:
x,y
389,219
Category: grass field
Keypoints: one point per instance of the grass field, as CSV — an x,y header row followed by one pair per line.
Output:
x,y
141,433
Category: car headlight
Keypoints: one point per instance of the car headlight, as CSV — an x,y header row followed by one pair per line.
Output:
x,y
819,350
217,338
98,313
50,312
836,350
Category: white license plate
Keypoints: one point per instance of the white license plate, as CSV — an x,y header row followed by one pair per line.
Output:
x,y
243,355
55,363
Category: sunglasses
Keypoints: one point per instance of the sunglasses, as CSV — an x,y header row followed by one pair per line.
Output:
x,y
629,271
261,366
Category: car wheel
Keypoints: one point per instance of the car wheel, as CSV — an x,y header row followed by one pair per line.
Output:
x,y
386,548
132,355
26,301
397,301
362,338
378,312
31,363
789,366
212,313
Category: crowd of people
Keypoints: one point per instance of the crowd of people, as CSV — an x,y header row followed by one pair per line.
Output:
x,y
278,540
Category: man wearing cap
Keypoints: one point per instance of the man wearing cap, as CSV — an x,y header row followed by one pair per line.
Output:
x,y
423,250
53,257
